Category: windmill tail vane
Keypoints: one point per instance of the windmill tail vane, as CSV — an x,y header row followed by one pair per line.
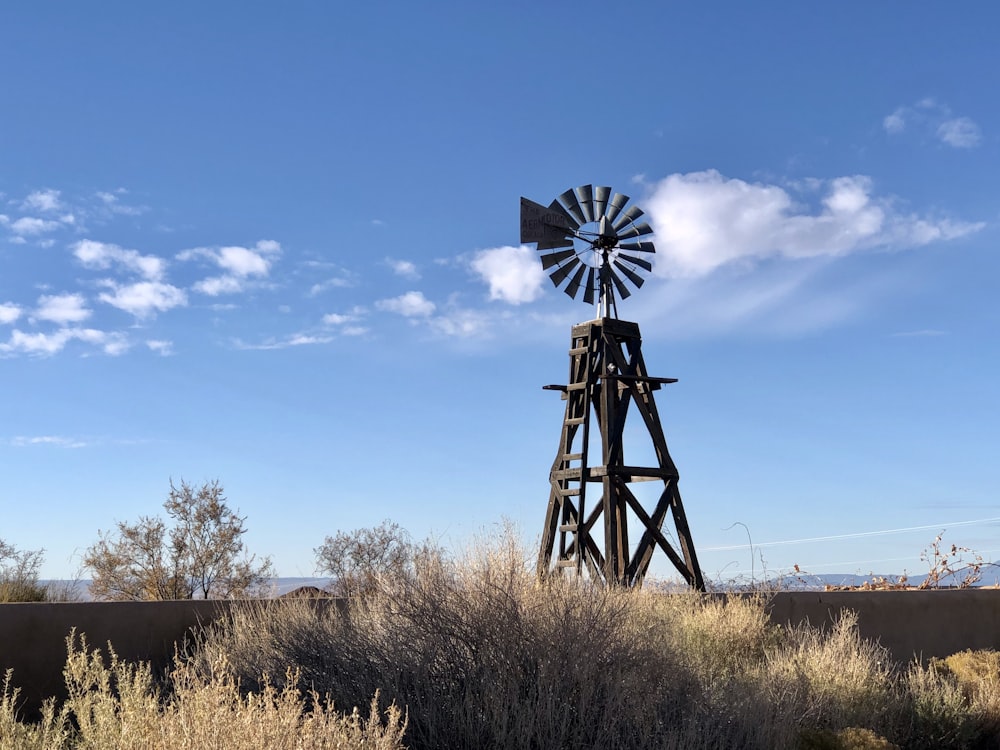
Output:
x,y
581,237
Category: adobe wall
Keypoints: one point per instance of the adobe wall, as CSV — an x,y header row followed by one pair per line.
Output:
x,y
908,623
33,636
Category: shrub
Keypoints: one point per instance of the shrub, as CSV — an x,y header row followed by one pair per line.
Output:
x,y
118,706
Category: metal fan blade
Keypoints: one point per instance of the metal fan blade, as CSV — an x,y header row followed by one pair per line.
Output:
x,y
552,244
636,230
574,284
572,205
633,213
601,195
588,293
623,291
639,247
585,193
559,275
635,261
554,259
570,221
617,204
632,275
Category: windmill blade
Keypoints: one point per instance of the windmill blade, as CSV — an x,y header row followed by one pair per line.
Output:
x,y
588,293
623,291
568,199
639,247
570,221
585,193
552,244
636,230
574,284
554,259
633,213
632,275
601,195
635,261
559,275
617,204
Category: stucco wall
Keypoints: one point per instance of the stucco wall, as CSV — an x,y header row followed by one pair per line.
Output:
x,y
908,623
33,636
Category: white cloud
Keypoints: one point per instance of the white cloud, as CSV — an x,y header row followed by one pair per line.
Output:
x,y
216,285
29,226
240,263
514,274
62,308
960,132
47,344
42,200
143,298
704,220
403,268
102,255
410,305
9,312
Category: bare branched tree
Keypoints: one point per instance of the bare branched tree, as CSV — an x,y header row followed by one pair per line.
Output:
x,y
201,555
357,560
19,570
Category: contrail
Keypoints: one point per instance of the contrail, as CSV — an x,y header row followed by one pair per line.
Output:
x,y
856,535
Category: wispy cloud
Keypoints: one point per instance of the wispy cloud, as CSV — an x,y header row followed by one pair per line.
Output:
x,y
930,117
295,339
103,255
32,226
46,344
923,332
43,200
161,347
23,441
403,268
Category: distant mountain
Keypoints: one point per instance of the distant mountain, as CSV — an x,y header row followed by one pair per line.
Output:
x,y
79,590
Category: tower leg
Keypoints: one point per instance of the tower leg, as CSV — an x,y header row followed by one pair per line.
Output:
x,y
608,379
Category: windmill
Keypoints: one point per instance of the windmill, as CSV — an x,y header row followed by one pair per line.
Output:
x,y
590,243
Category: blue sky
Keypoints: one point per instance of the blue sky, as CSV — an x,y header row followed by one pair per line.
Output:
x,y
278,246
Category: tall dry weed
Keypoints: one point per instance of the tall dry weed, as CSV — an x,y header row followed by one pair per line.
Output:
x,y
116,705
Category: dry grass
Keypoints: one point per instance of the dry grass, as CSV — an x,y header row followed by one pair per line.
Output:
x,y
114,705
481,654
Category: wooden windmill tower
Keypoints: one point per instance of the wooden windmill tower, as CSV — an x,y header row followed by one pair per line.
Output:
x,y
583,238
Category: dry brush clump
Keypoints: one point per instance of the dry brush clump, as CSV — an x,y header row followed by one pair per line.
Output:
x,y
117,705
478,653
482,654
